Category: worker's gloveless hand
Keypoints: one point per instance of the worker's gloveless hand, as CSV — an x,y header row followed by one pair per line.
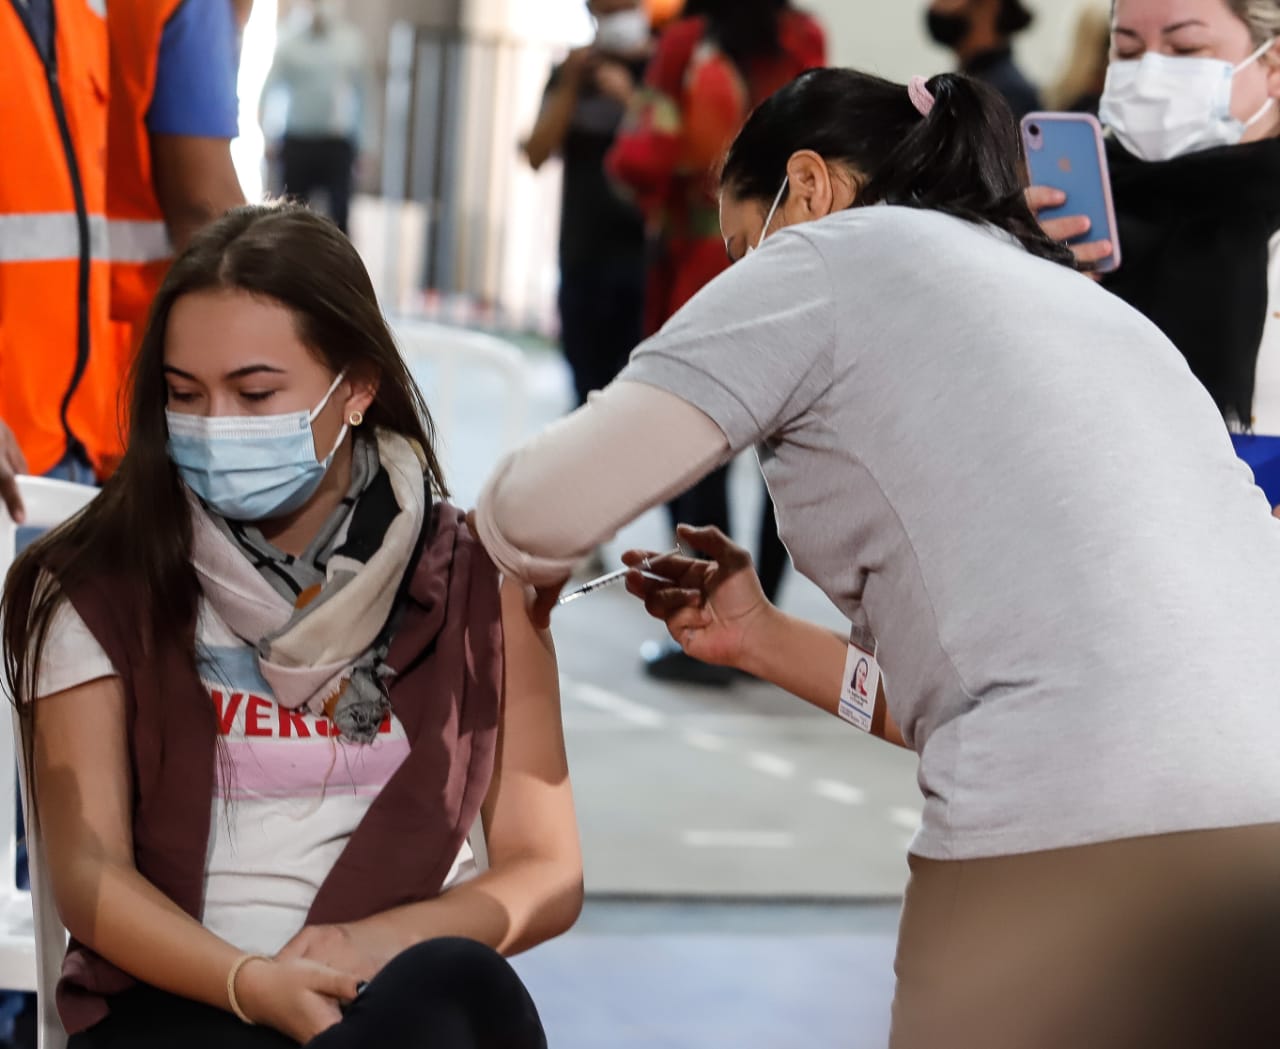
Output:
x,y
711,604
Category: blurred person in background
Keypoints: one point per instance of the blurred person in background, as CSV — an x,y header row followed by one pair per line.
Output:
x,y
712,68
1191,104
980,33
173,114
602,248
1079,87
601,233
321,75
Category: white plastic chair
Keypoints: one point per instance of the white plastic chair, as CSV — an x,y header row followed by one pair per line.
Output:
x,y
32,939
450,352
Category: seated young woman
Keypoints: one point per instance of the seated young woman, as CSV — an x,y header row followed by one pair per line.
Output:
x,y
269,682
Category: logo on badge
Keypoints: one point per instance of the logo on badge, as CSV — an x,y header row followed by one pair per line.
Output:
x,y
860,673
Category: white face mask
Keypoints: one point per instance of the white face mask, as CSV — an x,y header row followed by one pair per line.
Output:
x,y
1163,106
623,32
777,202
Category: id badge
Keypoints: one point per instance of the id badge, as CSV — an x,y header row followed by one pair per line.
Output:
x,y
861,683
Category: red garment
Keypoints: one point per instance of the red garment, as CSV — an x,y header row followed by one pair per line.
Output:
x,y
694,102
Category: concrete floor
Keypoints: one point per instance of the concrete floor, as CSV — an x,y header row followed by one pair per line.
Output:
x,y
708,975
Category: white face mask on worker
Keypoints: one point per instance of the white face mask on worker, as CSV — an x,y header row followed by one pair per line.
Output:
x,y
1165,106
768,221
623,32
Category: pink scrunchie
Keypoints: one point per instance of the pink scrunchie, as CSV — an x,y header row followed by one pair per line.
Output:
x,y
920,95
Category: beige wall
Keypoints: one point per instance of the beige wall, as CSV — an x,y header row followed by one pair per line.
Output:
x,y
888,37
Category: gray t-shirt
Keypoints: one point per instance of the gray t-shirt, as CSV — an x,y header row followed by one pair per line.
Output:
x,y
1013,480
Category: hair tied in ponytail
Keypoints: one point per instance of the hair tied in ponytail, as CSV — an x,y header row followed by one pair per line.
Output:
x,y
920,95
964,161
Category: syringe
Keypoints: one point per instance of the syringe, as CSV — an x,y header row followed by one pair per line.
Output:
x,y
604,581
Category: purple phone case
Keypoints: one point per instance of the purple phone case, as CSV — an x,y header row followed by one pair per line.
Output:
x,y
1069,154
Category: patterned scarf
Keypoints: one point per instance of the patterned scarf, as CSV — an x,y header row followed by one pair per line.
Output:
x,y
321,622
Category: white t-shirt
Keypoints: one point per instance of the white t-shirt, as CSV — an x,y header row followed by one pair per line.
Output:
x,y
1266,394
294,795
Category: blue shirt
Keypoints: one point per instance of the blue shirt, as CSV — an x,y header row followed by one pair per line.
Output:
x,y
195,92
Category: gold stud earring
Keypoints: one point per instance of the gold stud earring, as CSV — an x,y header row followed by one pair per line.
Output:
x,y
355,418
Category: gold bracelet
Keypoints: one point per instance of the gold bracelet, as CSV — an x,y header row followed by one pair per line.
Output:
x,y
241,962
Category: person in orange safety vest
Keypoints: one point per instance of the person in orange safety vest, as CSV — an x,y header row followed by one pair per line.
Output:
x,y
90,217
58,379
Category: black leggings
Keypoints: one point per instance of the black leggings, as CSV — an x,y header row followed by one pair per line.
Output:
x,y
444,994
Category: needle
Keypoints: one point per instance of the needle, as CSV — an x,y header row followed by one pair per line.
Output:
x,y
608,580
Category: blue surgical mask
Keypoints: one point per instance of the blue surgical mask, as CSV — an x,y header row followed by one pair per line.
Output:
x,y
251,467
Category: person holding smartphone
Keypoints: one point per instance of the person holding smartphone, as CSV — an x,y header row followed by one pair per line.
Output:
x,y
1191,104
1066,606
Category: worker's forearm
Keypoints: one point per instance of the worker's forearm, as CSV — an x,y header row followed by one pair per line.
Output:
x,y
195,182
187,218
808,661
185,224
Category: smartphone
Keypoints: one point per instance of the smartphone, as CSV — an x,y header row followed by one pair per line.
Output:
x,y
1066,151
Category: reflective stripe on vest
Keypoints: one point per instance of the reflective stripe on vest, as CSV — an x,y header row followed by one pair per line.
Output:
x,y
138,241
98,7
49,237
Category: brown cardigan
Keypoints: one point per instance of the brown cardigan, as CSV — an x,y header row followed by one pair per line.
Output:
x,y
447,692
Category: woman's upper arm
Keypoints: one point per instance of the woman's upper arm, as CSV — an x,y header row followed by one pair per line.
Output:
x,y
529,809
82,782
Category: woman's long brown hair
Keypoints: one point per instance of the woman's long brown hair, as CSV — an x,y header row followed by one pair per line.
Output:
x,y
138,529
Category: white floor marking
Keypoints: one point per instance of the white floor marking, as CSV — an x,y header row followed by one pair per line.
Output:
x,y
835,790
771,764
738,839
707,741
906,818
611,703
